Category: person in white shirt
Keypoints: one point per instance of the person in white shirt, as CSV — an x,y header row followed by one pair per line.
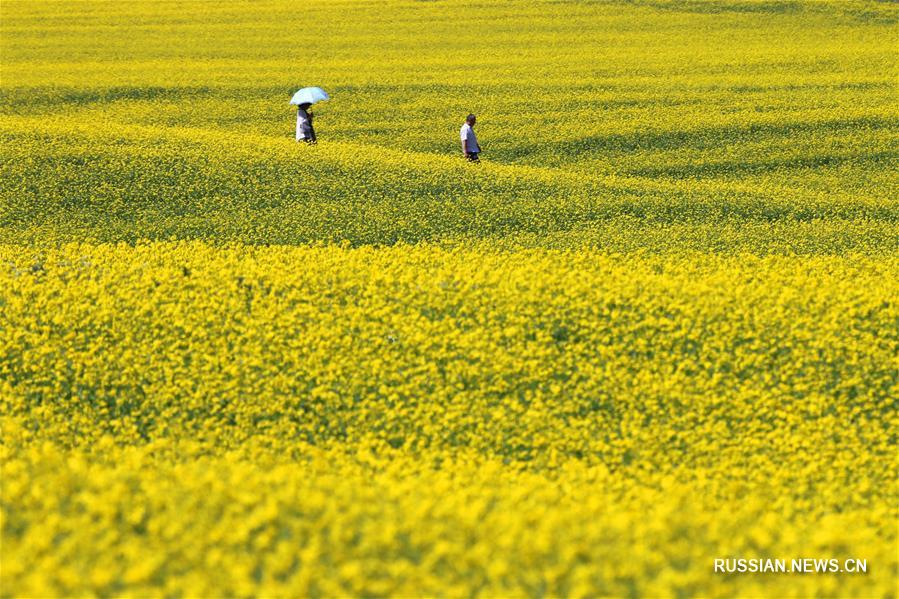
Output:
x,y
305,132
470,146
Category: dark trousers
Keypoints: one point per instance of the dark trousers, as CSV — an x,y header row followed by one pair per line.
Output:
x,y
472,157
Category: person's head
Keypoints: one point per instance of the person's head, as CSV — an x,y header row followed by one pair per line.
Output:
x,y
305,106
471,119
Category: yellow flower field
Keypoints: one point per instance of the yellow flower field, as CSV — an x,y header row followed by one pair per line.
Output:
x,y
656,327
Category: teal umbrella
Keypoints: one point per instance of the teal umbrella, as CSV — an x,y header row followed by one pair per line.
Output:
x,y
309,95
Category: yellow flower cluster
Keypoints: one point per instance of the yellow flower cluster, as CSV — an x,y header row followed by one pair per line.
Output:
x,y
657,326
187,419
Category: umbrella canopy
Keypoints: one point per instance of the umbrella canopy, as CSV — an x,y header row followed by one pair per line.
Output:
x,y
309,95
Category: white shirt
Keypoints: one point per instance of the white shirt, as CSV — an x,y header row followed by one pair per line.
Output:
x,y
467,134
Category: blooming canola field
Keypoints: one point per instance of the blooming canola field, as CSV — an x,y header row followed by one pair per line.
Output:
x,y
657,326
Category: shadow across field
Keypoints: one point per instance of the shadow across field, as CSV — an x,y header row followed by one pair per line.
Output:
x,y
740,168
29,100
709,138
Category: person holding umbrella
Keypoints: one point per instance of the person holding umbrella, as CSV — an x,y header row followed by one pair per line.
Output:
x,y
303,100
305,131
